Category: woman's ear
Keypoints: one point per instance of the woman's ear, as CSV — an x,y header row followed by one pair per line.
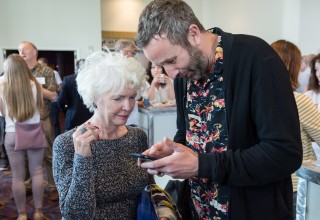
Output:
x,y
194,35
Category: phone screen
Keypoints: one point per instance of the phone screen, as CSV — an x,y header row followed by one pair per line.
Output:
x,y
142,157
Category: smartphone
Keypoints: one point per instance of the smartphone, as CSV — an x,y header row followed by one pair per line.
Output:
x,y
143,157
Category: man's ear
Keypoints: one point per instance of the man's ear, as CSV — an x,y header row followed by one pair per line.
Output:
x,y
194,35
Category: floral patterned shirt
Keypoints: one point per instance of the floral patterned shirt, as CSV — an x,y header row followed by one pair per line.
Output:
x,y
207,132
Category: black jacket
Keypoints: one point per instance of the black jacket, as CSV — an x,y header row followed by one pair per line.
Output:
x,y
76,112
264,145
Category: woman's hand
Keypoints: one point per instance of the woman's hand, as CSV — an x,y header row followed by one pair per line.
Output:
x,y
82,138
160,79
165,79
156,80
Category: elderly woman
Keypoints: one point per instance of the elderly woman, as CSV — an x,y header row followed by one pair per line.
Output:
x,y
95,176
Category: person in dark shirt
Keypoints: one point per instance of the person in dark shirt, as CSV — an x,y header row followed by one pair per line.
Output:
x,y
4,165
70,101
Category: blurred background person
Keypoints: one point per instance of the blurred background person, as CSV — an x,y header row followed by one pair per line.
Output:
x,y
70,101
309,116
22,102
128,49
95,176
161,86
125,47
4,161
304,74
104,46
313,90
45,76
54,106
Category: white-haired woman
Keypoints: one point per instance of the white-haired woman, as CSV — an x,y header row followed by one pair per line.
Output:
x,y
95,176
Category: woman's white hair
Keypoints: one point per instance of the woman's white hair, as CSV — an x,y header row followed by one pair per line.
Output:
x,y
106,72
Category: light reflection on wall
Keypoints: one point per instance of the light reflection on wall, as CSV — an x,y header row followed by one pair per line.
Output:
x,y
120,15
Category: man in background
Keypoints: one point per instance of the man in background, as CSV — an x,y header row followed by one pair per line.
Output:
x,y
46,78
54,105
71,102
128,49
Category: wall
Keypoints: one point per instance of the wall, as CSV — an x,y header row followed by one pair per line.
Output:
x,y
245,17
123,15
309,37
293,20
51,25
77,24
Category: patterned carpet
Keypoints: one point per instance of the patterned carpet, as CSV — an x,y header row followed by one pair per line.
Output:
x,y
8,210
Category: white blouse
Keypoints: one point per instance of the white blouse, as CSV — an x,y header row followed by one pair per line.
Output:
x,y
314,96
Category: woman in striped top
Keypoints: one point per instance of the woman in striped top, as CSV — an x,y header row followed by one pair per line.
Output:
x,y
309,116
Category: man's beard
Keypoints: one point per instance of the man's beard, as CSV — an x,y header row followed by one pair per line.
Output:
x,y
198,66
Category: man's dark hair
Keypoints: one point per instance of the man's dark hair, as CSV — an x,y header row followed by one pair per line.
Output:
x,y
170,17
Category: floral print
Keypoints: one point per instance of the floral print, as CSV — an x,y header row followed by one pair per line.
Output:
x,y
207,132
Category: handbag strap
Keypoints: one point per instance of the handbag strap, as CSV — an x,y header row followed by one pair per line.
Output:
x,y
160,198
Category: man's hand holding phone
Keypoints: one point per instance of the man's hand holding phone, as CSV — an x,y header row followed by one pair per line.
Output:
x,y
143,157
175,160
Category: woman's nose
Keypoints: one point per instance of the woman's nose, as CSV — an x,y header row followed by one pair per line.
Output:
x,y
128,104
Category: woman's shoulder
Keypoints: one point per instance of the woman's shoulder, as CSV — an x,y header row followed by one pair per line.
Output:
x,y
134,131
137,135
309,92
63,140
313,95
137,138
302,99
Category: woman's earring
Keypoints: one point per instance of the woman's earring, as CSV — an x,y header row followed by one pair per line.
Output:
x,y
94,105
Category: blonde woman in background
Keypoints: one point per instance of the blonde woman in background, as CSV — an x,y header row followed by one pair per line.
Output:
x,y
20,102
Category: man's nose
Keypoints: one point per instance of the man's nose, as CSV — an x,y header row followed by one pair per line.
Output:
x,y
172,72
